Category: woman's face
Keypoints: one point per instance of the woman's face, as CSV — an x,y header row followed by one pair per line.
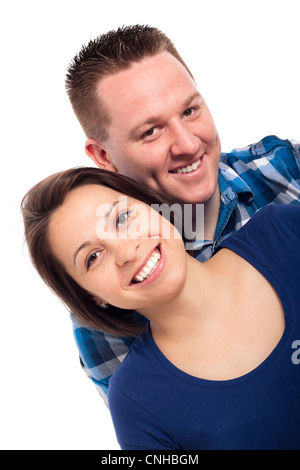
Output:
x,y
118,248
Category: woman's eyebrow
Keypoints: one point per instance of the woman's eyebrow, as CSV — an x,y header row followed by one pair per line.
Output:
x,y
88,243
81,247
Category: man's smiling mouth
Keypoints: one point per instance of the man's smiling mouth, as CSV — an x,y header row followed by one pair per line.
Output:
x,y
149,267
188,168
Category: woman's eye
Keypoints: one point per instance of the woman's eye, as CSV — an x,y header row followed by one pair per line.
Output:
x,y
122,219
92,258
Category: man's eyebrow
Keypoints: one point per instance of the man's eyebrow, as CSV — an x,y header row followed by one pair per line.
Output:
x,y
88,243
191,99
135,130
154,119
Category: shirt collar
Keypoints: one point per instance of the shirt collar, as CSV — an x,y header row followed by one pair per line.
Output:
x,y
232,187
231,183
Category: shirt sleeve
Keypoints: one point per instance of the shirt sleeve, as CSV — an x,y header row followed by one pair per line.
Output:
x,y
100,354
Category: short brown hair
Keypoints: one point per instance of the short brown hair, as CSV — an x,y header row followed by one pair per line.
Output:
x,y
38,206
108,54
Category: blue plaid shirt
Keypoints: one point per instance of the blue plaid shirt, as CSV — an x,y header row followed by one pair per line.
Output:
x,y
249,179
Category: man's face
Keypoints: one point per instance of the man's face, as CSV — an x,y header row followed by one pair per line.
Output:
x,y
161,132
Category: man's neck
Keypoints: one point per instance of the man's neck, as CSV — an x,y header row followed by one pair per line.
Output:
x,y
200,220
211,215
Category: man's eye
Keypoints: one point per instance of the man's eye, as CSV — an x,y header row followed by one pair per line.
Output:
x,y
188,112
150,132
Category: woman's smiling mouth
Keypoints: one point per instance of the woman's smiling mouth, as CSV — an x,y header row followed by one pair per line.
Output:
x,y
148,271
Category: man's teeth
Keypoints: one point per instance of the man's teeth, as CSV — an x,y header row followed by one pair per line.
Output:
x,y
189,168
149,267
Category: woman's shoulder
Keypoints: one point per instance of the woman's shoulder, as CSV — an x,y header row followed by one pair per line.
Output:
x,y
137,360
271,224
270,239
286,211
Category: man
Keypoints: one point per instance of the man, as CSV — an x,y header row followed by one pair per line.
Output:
x,y
144,117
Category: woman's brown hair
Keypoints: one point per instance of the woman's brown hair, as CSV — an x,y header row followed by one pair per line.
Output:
x,y
38,206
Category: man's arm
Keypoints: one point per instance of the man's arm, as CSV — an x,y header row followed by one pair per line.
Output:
x,y
100,354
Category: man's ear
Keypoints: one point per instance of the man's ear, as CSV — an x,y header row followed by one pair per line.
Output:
x,y
98,154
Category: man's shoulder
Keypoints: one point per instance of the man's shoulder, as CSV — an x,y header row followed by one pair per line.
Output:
x,y
266,146
270,160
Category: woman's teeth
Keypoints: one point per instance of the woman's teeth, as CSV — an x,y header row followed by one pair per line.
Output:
x,y
189,168
149,267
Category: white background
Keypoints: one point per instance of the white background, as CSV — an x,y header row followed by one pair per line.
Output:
x,y
245,58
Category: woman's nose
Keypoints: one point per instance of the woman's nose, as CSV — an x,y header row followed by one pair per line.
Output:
x,y
125,250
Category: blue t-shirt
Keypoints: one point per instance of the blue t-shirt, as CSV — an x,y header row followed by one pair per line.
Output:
x,y
154,405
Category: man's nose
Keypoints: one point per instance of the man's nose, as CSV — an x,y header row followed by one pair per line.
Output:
x,y
184,140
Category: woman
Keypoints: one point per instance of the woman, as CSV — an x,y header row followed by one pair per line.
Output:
x,y
219,344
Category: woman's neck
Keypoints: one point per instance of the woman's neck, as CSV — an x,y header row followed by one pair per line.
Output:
x,y
204,292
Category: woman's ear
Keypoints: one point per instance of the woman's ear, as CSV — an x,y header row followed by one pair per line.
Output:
x,y
104,305
99,155
101,303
